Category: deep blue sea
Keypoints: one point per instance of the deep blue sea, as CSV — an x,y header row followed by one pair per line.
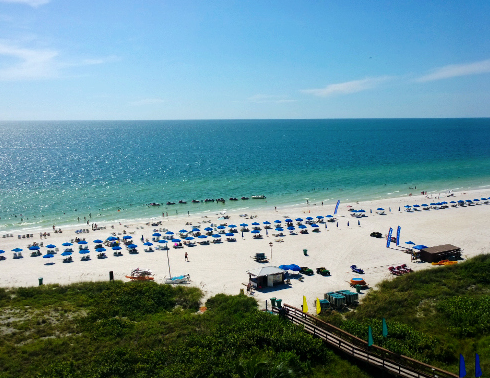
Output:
x,y
57,172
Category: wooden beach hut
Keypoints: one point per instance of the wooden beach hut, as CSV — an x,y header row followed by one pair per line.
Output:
x,y
267,276
440,252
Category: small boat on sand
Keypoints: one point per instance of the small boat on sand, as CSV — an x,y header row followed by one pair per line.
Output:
x,y
185,278
141,275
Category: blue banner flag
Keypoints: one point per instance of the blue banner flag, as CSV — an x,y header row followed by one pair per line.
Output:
x,y
337,207
462,367
478,372
370,337
389,238
398,235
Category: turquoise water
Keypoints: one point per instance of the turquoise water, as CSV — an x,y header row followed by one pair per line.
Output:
x,y
57,172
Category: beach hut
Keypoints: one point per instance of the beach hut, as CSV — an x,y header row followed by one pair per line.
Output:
x,y
267,276
440,252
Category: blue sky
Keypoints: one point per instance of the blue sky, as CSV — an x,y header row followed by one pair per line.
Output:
x,y
128,59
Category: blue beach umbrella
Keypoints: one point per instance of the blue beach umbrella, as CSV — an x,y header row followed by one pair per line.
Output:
x,y
129,237
202,237
279,229
2,251
101,250
116,248
299,220
160,241
173,241
97,241
66,253
320,216
82,242
208,229
229,234
310,218
294,267
132,246
289,220
48,256
111,238
284,267
483,199
183,231
169,233
66,244
380,208
267,222
34,248
148,243
255,224
84,251
16,249
195,229
155,234
217,235
315,225
50,246
254,232
189,238
277,221
222,227
329,216
407,206
291,228
232,226
410,242
420,246
243,224
416,205
302,226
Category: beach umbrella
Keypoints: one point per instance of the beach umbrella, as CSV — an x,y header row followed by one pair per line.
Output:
x,y
84,251
98,241
254,232
453,202
189,238
101,250
66,253
410,242
222,227
48,256
361,211
329,216
16,249
279,229
195,229
243,224
34,248
379,208
111,238
2,251
407,206
277,221
182,231
169,233
284,267
160,241
302,226
149,243
208,229
154,234
255,224
66,244
83,242
173,241
299,220
134,245
420,246
267,222
289,220
294,267
416,205
469,201
202,237
483,199
321,216
128,237
291,228
50,246
310,218
217,235
116,248
232,226
229,234
315,225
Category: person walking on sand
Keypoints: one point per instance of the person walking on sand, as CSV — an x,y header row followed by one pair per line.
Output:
x,y
186,257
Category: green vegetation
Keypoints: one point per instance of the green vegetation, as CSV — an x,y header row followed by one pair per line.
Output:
x,y
432,315
142,329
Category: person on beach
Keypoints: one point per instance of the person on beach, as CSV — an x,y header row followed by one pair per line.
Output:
x,y
186,257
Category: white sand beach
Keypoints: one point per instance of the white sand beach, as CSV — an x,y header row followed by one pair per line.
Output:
x,y
222,268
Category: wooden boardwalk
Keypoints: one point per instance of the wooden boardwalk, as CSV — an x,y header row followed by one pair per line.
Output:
x,y
393,363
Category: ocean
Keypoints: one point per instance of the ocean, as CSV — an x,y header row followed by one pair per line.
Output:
x,y
67,172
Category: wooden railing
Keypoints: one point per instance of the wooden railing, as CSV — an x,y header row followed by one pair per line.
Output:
x,y
394,363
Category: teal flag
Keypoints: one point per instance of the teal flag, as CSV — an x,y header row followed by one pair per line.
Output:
x,y
385,328
370,337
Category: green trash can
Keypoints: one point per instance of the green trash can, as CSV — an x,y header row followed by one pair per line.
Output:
x,y
358,288
305,251
278,302
40,281
273,301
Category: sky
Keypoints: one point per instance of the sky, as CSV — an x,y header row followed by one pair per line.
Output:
x,y
254,59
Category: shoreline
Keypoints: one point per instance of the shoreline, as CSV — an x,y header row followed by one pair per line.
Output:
x,y
222,268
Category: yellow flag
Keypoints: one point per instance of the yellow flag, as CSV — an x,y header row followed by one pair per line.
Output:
x,y
305,305
318,307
